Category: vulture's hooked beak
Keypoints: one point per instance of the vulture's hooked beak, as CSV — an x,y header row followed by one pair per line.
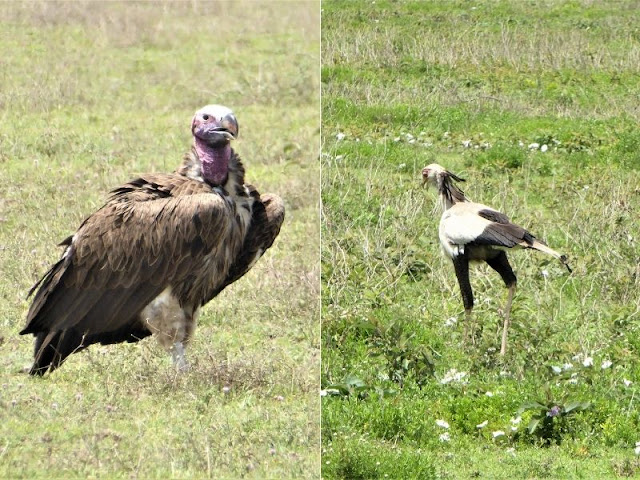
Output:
x,y
215,124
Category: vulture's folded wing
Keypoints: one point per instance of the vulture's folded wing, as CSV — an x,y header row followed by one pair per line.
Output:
x,y
128,252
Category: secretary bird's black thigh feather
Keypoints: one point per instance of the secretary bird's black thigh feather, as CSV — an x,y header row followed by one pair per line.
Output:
x,y
500,263
461,266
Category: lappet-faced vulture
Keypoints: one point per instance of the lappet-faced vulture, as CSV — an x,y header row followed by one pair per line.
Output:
x,y
160,248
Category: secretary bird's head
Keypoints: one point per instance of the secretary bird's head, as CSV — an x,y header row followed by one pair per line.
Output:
x,y
440,178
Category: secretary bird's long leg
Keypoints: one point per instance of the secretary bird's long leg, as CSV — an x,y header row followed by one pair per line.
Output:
x,y
507,313
500,264
461,266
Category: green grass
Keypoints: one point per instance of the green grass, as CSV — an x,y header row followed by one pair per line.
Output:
x,y
92,94
471,86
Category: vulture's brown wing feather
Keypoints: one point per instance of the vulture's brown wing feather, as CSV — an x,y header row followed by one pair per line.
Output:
x,y
266,220
128,252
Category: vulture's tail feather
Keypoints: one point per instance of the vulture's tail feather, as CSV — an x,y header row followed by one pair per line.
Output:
x,y
52,348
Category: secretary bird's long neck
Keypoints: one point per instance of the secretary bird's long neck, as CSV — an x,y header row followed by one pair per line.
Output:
x,y
450,194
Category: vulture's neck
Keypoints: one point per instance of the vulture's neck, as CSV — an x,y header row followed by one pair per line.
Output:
x,y
201,165
449,194
214,162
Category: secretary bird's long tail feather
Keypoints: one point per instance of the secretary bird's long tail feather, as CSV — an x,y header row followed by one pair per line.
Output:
x,y
543,248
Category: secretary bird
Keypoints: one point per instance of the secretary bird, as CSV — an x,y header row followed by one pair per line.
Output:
x,y
474,232
161,247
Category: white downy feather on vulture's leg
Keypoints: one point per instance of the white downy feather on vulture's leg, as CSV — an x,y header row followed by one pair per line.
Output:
x,y
160,248
474,232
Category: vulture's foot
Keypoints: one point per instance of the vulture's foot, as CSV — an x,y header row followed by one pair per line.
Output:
x,y
179,360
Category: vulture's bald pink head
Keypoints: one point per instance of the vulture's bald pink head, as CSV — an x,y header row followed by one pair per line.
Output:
x,y
213,128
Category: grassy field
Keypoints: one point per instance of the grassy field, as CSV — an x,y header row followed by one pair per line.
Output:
x,y
536,105
92,94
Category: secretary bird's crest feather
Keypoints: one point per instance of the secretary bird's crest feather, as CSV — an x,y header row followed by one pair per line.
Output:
x,y
440,178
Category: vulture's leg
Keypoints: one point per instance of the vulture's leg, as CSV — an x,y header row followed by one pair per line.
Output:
x,y
177,355
461,266
171,324
500,264
179,345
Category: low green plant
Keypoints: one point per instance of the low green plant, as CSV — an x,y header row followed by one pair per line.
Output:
x,y
404,356
550,419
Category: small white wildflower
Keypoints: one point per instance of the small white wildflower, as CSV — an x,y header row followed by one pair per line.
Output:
x,y
489,394
627,383
323,393
397,139
409,136
450,322
444,437
520,144
556,370
544,148
637,449
453,375
412,141
545,273
533,146
401,166
606,364
497,434
587,362
442,423
226,389
514,428
339,158
466,143
511,451
446,134
586,187
483,424
573,379
516,420
567,366
340,136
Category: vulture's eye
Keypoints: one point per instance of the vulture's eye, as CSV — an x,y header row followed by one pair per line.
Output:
x,y
205,117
